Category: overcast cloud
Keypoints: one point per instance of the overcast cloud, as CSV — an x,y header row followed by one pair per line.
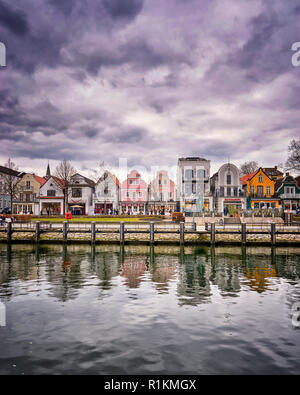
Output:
x,y
148,80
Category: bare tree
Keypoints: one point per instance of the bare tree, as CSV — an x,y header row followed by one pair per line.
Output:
x,y
65,171
100,174
249,167
293,161
10,181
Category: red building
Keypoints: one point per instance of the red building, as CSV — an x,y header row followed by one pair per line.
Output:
x,y
133,194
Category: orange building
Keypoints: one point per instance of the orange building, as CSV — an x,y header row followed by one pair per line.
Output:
x,y
260,189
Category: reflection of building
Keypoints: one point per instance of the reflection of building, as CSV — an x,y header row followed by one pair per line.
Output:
x,y
52,197
27,201
260,189
260,275
106,196
133,194
80,199
161,194
226,188
193,184
163,270
133,268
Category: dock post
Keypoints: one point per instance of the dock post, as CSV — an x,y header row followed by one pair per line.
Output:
x,y
37,231
244,234
93,232
194,226
212,233
65,231
9,231
181,232
122,232
273,233
151,232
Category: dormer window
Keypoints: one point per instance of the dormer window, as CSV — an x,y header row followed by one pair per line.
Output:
x,y
260,178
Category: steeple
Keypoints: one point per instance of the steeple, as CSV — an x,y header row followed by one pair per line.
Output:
x,y
48,175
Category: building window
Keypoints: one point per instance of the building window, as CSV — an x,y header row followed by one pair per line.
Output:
x,y
130,182
140,194
76,192
228,191
27,184
127,194
137,181
165,182
260,178
34,196
268,190
21,197
252,190
228,179
133,196
51,193
235,191
200,174
188,174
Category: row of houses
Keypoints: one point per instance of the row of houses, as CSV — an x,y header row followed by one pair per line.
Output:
x,y
196,191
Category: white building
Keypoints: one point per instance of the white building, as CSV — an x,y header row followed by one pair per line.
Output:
x,y
52,197
80,195
107,194
226,188
193,184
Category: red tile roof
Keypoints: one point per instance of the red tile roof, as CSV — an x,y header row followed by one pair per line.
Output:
x,y
40,180
247,177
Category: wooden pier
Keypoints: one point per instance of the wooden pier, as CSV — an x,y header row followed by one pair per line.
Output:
x,y
178,232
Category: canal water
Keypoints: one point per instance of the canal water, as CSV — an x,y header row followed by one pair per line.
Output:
x,y
149,310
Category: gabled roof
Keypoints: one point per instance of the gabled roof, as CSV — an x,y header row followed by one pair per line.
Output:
x,y
114,178
40,180
88,181
59,182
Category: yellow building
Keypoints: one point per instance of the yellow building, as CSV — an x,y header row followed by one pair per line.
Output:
x,y
260,190
26,200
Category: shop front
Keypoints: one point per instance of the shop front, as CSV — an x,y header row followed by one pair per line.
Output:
x,y
51,208
77,209
135,208
103,208
162,208
264,203
233,204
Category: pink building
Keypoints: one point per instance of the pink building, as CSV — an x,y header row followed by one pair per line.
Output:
x,y
162,194
134,194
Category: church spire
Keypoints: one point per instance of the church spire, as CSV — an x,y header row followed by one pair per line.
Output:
x,y
48,175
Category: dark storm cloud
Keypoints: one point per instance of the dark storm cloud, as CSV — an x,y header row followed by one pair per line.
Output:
x,y
123,8
148,79
13,20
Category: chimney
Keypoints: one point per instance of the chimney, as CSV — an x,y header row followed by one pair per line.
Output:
x,y
275,168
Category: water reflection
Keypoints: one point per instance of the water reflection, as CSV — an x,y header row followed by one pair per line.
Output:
x,y
148,310
197,272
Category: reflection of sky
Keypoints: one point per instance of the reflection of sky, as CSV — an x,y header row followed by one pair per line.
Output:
x,y
207,318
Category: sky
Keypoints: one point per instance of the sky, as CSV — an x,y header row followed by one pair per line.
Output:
x,y
149,81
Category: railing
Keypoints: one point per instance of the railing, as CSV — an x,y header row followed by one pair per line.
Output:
x,y
122,229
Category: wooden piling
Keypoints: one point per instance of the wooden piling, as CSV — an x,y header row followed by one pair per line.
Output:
x,y
244,233
212,233
37,231
181,232
93,232
122,232
273,233
65,231
151,232
9,231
